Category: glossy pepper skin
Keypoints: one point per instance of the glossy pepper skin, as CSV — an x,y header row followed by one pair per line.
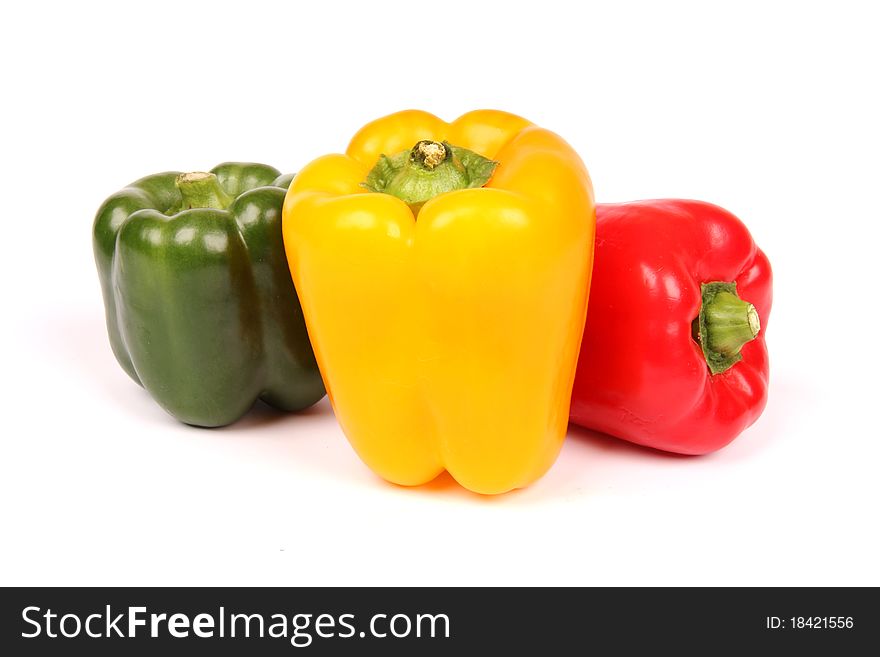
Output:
x,y
642,374
447,340
201,310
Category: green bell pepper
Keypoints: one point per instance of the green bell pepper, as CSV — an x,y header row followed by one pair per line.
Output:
x,y
201,308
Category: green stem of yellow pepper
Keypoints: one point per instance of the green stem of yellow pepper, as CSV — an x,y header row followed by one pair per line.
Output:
x,y
427,170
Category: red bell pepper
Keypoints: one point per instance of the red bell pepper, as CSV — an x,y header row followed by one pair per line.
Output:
x,y
674,354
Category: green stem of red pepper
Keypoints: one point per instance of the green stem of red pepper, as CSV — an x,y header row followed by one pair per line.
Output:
x,y
724,325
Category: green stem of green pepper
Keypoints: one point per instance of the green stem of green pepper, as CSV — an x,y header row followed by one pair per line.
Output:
x,y
199,189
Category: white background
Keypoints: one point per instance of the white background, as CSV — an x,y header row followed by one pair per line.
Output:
x,y
768,109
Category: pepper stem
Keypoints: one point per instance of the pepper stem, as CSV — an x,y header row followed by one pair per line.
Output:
x,y
724,325
199,189
428,169
428,154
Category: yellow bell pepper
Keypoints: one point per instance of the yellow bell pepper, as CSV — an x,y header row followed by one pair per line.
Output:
x,y
446,312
